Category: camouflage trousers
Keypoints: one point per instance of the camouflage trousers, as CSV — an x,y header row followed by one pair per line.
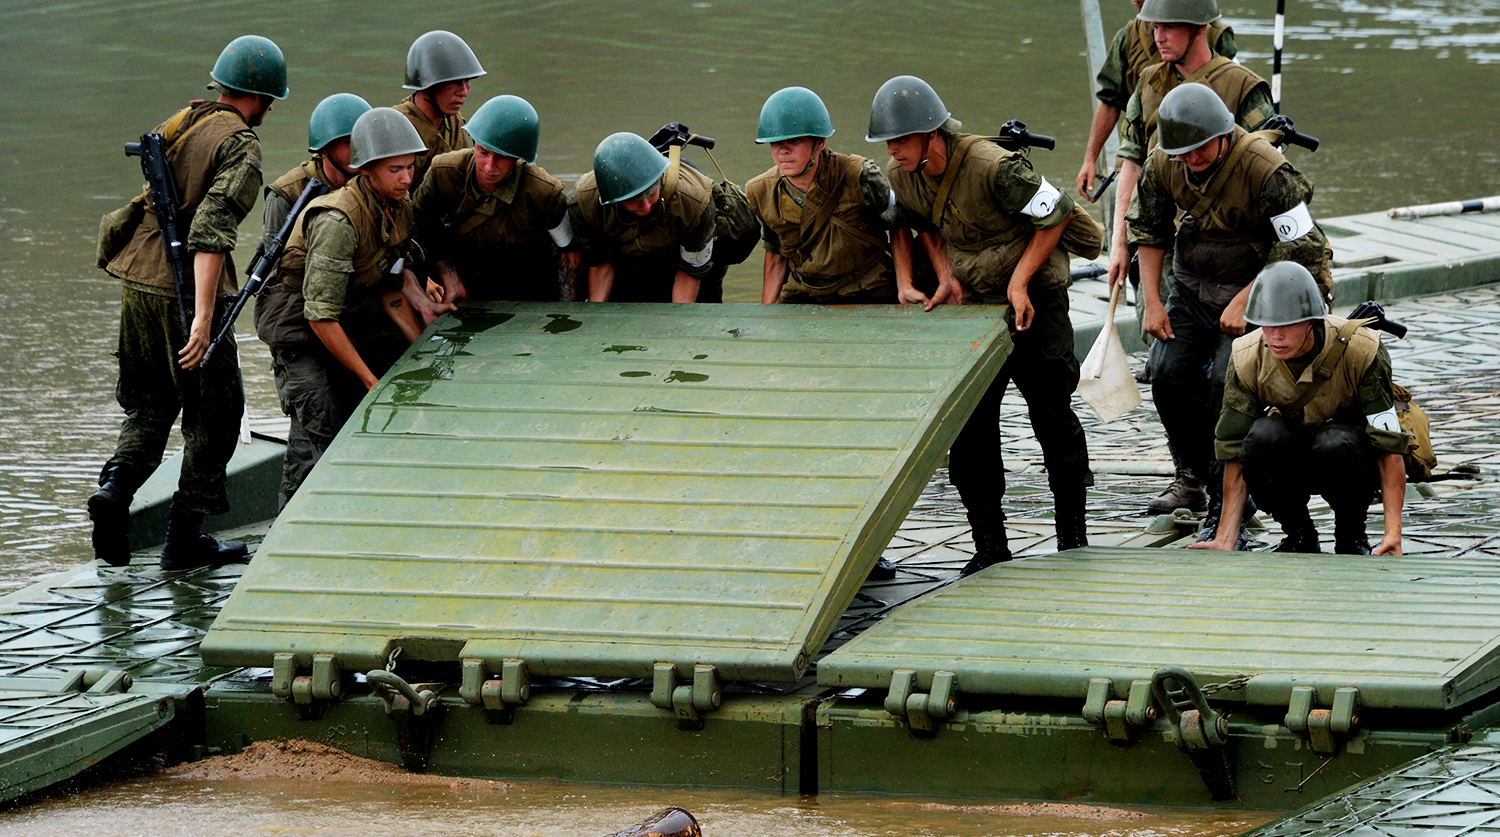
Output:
x,y
153,390
319,395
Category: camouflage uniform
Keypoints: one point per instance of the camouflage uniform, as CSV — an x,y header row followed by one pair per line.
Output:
x,y
215,159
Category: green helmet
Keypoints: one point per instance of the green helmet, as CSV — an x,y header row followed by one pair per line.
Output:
x,y
333,119
626,166
793,112
1190,116
252,64
439,56
905,105
507,125
380,133
1284,293
1191,12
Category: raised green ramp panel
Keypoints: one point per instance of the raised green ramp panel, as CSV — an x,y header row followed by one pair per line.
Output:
x,y
1451,792
1409,632
593,489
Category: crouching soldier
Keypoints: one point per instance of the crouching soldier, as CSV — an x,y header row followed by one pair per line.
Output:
x,y
492,220
647,231
344,319
1308,409
826,217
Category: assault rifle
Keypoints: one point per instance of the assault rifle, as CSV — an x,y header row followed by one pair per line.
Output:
x,y
676,133
1013,136
1289,133
1372,310
265,260
152,149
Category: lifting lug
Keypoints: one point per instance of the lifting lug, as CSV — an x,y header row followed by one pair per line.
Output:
x,y
1324,728
1120,719
922,713
415,714
499,697
1201,731
689,702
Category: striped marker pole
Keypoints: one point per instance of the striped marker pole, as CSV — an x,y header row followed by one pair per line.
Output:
x,y
1448,208
1280,39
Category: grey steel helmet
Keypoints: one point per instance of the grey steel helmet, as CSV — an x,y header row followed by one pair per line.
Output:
x,y
381,133
1192,12
626,167
905,105
1282,294
439,56
334,118
1190,116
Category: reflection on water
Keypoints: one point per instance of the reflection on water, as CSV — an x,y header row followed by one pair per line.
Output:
x,y
83,77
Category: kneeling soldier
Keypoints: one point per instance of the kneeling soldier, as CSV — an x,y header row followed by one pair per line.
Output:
x,y
491,219
646,237
1308,409
826,217
346,320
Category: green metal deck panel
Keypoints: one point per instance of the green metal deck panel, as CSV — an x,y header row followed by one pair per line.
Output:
x,y
594,488
1413,632
135,619
48,737
1451,792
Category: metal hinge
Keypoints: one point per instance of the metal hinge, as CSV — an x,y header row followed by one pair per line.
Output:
x,y
1120,719
1200,730
95,681
689,702
499,697
922,713
309,692
1324,728
414,712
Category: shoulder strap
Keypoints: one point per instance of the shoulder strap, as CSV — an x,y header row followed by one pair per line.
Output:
x,y
825,210
674,170
1221,177
950,176
1330,363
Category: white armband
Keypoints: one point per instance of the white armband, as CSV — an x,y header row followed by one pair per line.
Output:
x,y
1293,224
1385,421
698,258
562,234
1044,201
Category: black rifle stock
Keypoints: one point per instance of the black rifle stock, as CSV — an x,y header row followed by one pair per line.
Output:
x,y
264,260
152,149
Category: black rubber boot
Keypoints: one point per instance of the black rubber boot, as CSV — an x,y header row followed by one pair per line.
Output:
x,y
990,544
187,548
1069,520
1301,535
1349,537
109,509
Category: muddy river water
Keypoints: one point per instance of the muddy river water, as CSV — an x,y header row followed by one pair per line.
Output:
x,y
1402,93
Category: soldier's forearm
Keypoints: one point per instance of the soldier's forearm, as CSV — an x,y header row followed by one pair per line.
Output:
x,y
773,276
1105,117
1038,250
901,257
337,342
567,275
1130,176
1392,492
206,270
601,281
1152,260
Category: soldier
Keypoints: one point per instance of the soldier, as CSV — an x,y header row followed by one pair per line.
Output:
x,y
1331,428
826,217
990,226
215,159
1242,205
439,68
1181,29
1130,53
344,320
492,219
647,236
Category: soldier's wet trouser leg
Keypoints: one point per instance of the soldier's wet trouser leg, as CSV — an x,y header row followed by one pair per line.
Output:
x,y
319,394
153,389
1274,463
1344,469
1045,370
977,470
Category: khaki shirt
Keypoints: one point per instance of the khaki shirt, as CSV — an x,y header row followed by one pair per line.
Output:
x,y
440,137
1134,49
1247,96
679,230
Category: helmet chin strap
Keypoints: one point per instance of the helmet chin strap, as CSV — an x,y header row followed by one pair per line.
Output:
x,y
812,160
926,147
